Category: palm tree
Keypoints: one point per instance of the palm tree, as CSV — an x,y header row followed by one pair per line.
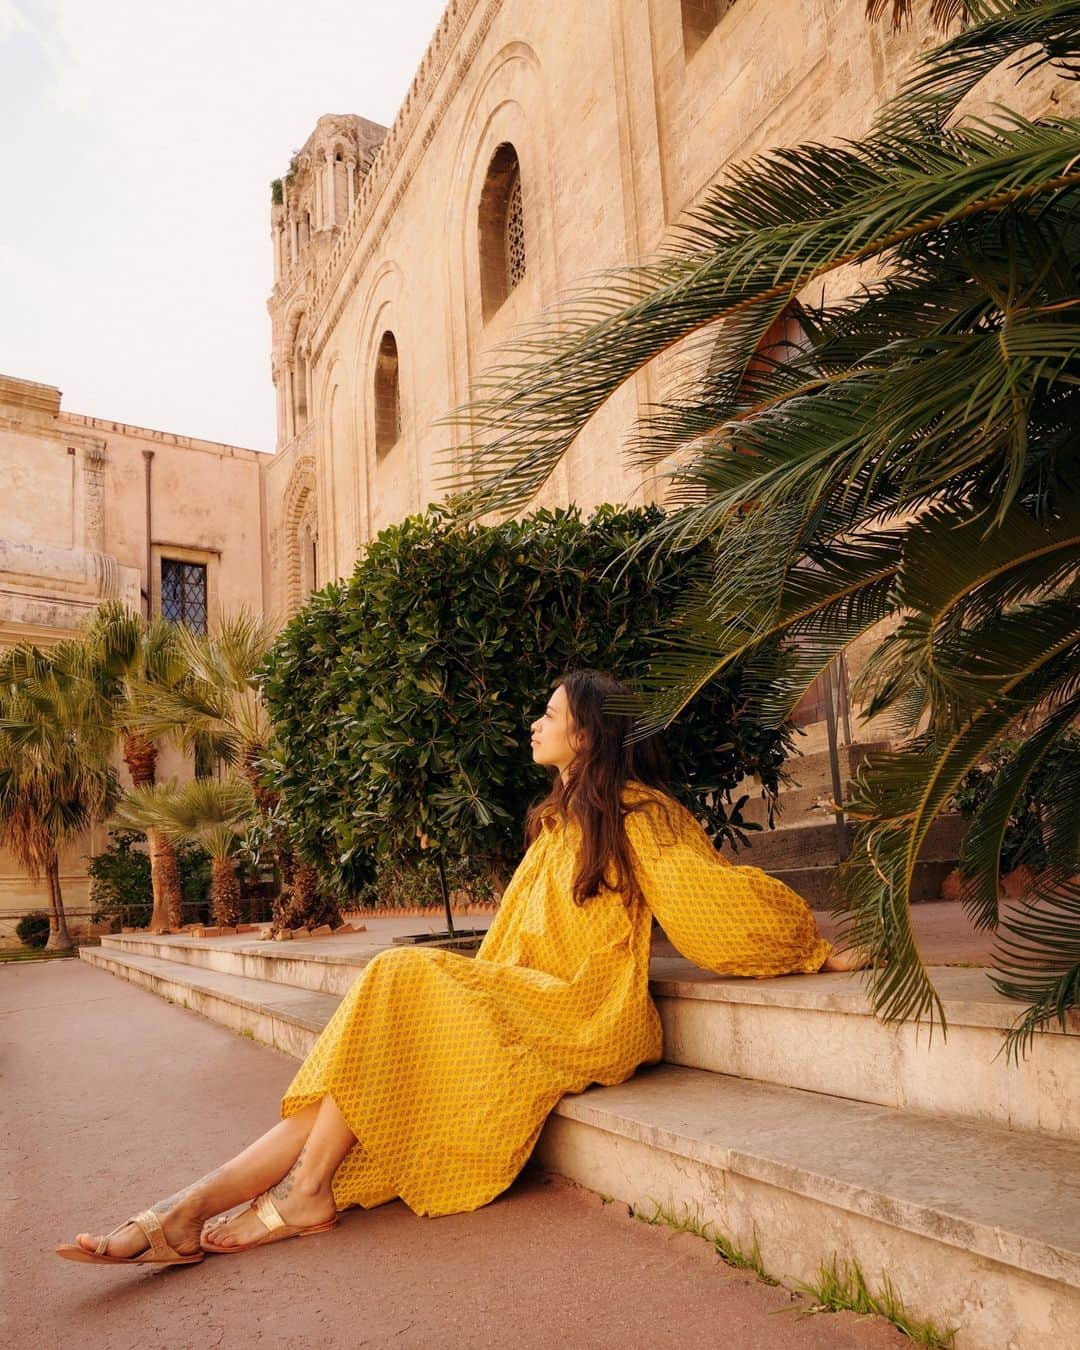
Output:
x,y
215,814
55,778
876,426
136,656
218,707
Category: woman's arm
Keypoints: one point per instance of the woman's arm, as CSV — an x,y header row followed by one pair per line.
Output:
x,y
728,919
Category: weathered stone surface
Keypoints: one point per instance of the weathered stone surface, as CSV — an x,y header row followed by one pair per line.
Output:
x,y
814,1032
547,1265
973,1227
976,1226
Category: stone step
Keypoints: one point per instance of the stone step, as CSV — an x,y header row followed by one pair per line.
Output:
x,y
815,844
817,885
281,1015
819,1033
814,1032
810,789
975,1227
815,769
325,966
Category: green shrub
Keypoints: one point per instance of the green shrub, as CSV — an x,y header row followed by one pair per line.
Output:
x,y
32,930
398,884
401,699
120,886
194,865
1022,842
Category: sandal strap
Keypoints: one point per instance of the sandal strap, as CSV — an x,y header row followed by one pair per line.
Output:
x,y
267,1212
101,1247
150,1224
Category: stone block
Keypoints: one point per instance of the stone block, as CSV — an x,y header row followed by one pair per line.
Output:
x,y
966,1221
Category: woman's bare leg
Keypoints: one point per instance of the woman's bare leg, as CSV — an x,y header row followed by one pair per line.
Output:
x,y
242,1178
304,1197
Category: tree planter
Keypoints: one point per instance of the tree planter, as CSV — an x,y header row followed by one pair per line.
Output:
x,y
462,939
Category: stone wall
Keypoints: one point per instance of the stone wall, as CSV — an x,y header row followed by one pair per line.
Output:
x,y
75,529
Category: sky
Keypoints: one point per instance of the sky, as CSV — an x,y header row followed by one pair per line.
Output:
x,y
139,141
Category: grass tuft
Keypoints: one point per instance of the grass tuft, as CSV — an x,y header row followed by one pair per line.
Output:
x,y
843,1287
725,1248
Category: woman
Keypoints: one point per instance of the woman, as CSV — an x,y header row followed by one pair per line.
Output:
x,y
434,1077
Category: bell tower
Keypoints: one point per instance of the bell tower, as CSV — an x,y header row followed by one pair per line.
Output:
x,y
309,208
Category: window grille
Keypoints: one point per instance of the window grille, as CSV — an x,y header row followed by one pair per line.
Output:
x,y
515,234
183,593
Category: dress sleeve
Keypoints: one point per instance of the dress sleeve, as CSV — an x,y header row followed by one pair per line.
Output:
x,y
724,918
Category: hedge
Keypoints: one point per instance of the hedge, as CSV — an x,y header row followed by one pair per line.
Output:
x,y
401,699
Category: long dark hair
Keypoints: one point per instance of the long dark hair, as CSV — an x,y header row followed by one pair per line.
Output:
x,y
592,793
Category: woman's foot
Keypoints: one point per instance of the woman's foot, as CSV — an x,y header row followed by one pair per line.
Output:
x,y
298,1208
181,1226
851,958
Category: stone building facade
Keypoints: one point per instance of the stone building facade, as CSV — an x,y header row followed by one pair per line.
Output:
x,y
537,144
96,510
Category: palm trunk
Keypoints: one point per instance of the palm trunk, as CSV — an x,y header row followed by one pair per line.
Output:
x,y
265,798
303,903
59,937
140,756
165,880
224,891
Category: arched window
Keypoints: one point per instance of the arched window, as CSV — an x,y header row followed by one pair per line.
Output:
x,y
301,534
699,18
309,558
387,395
502,229
300,390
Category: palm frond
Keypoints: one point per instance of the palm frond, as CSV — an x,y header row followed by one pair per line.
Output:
x,y
822,606
942,12
1026,33
200,809
836,206
1037,952
1039,956
980,854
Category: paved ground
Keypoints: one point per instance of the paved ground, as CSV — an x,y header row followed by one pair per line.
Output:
x,y
113,1098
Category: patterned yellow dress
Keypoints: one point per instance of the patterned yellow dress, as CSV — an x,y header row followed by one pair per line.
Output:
x,y
445,1067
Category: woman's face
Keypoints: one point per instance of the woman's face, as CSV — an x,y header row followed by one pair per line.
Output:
x,y
555,737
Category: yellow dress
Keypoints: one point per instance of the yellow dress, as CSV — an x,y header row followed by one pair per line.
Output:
x,y
445,1067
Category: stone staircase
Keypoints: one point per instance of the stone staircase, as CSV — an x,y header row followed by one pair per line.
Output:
x,y
803,849
784,1115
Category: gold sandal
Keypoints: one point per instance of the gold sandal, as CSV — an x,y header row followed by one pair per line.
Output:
x,y
277,1230
159,1253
